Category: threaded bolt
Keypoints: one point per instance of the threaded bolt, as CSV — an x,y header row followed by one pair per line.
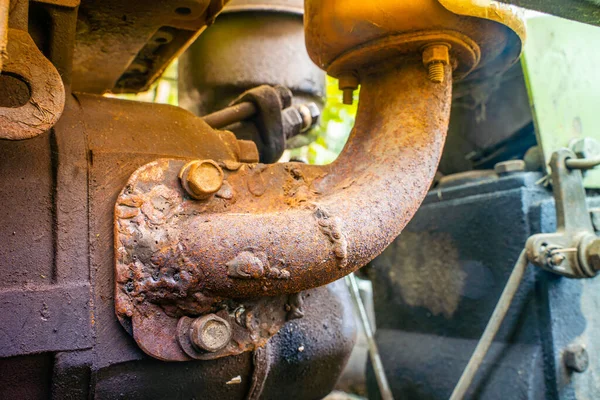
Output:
x,y
436,72
348,96
435,58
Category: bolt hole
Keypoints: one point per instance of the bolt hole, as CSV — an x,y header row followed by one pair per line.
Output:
x,y
129,286
15,90
161,40
183,11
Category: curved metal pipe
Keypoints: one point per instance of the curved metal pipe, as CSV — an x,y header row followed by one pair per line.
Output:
x,y
284,228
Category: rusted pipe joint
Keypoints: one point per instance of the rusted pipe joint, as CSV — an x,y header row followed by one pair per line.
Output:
x,y
248,251
272,231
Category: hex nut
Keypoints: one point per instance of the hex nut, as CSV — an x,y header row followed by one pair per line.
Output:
x,y
210,333
509,167
201,178
436,53
292,122
592,254
310,115
576,358
248,151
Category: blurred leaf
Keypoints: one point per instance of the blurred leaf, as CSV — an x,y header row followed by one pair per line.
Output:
x,y
337,120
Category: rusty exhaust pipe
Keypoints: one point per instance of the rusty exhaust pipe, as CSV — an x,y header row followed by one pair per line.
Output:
x,y
284,228
318,224
254,235
221,236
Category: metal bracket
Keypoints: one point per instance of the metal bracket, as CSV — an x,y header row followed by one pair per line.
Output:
x,y
573,249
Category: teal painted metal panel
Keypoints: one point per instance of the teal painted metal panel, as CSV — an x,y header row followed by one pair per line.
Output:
x,y
561,63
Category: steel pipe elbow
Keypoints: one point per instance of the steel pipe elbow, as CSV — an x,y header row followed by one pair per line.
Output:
x,y
283,228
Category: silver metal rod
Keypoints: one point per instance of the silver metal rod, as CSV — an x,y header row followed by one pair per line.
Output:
x,y
492,327
582,163
384,387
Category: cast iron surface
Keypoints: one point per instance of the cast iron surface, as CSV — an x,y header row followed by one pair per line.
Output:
x,y
59,335
272,47
436,288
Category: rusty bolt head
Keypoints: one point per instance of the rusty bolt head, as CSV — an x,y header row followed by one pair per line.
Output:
x,y
210,333
576,358
435,56
201,178
509,167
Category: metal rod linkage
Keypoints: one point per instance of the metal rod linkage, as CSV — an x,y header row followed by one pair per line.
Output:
x,y
384,387
512,285
582,163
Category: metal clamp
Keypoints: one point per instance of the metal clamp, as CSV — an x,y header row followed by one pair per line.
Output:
x,y
574,249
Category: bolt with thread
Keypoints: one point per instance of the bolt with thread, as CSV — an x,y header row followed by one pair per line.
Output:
x,y
435,57
436,72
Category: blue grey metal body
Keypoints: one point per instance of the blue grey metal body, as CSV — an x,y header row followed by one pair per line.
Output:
x,y
436,286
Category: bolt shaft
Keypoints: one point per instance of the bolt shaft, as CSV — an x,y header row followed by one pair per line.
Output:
x,y
348,83
436,72
348,96
435,57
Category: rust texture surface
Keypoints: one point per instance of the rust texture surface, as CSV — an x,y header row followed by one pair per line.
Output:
x,y
274,230
123,46
59,335
36,109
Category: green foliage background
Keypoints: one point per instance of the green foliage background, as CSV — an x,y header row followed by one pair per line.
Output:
x,y
327,139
